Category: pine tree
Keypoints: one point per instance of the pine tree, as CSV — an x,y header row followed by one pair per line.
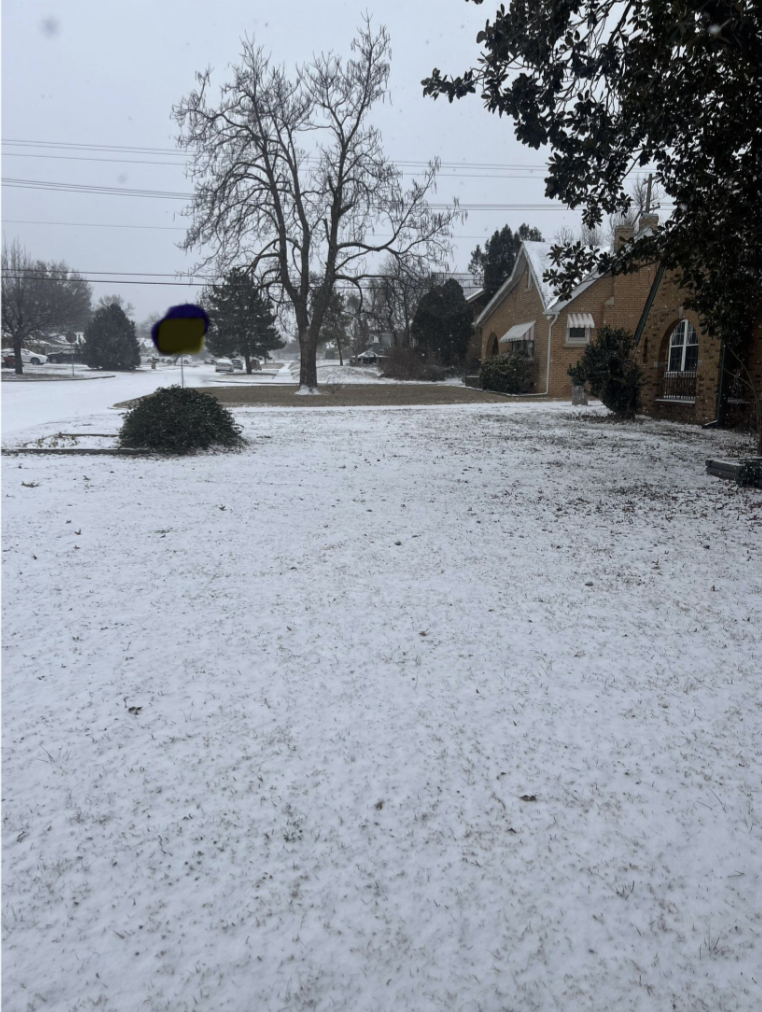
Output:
x,y
442,325
495,263
241,319
110,340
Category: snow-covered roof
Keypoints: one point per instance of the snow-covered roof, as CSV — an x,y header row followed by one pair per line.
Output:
x,y
558,304
537,256
472,296
375,350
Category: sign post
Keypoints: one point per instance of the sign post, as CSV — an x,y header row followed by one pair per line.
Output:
x,y
72,339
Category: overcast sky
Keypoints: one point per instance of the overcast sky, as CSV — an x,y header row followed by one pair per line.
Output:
x,y
98,73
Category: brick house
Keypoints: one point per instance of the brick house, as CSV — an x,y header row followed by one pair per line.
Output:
x,y
524,313
515,315
689,375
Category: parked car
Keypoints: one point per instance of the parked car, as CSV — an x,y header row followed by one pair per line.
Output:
x,y
237,363
223,365
27,358
64,356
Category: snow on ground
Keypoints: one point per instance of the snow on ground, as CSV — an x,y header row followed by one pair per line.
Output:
x,y
270,718
27,405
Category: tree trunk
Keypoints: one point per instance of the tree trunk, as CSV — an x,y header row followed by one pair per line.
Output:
x,y
308,361
338,345
247,360
19,365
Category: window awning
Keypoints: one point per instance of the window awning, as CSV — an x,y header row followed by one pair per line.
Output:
x,y
518,332
580,320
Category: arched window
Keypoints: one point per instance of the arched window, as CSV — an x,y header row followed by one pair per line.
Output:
x,y
682,363
683,349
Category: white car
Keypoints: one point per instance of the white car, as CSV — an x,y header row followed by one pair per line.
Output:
x,y
223,365
27,358
237,363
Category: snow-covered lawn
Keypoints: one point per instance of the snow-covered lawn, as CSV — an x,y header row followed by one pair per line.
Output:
x,y
410,710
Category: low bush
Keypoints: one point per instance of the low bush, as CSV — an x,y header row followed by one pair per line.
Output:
x,y
407,364
611,372
750,474
177,420
512,373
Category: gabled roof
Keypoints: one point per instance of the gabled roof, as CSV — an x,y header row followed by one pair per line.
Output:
x,y
536,255
379,350
560,304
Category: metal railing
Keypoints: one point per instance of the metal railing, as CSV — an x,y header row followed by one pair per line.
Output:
x,y
679,386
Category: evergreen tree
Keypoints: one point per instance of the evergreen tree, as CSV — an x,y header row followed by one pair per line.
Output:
x,y
241,321
495,263
110,340
442,325
336,321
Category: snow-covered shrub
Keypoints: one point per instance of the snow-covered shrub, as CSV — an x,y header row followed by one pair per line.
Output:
x,y
610,371
177,420
512,373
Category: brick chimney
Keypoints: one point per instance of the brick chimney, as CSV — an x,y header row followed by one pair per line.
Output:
x,y
622,234
649,220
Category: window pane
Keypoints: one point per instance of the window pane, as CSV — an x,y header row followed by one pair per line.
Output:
x,y
691,358
677,336
675,359
692,338
577,333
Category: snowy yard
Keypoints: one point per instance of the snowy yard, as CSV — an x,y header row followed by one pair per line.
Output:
x,y
451,708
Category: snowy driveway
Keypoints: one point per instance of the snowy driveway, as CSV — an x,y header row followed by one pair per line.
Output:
x,y
439,709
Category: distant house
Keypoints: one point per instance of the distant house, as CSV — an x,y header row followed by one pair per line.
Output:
x,y
374,355
477,300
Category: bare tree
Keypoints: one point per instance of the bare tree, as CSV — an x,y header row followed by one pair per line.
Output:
x,y
116,300
565,236
291,180
39,299
645,194
395,294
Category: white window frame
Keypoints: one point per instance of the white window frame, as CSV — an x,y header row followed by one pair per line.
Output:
x,y
577,341
529,279
685,330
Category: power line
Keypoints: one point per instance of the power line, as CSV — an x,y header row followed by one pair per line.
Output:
x,y
111,191
178,228
126,149
368,281
91,224
447,173
116,191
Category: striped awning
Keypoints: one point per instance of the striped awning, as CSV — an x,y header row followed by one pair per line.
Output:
x,y
580,320
518,332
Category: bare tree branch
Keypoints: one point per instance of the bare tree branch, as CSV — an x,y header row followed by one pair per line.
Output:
x,y
291,181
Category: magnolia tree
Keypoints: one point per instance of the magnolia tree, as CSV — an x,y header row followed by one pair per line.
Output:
x,y
611,87
291,181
